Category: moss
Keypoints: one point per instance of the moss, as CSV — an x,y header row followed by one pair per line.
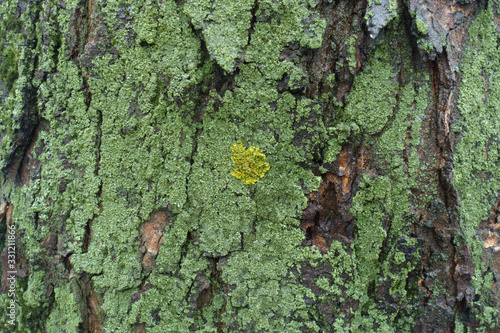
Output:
x,y
422,27
134,138
35,293
476,174
352,53
16,73
384,253
64,317
372,99
225,25
147,160
10,28
393,5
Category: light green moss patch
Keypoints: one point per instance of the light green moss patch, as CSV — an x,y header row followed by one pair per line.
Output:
x,y
149,160
69,156
16,73
372,99
136,137
384,252
64,316
422,27
225,25
477,157
351,60
145,148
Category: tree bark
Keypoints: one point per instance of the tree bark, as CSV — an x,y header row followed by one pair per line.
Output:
x,y
379,121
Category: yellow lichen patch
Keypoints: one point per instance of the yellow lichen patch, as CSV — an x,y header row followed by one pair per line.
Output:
x,y
250,163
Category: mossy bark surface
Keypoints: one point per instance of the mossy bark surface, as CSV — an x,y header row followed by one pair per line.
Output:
x,y
379,119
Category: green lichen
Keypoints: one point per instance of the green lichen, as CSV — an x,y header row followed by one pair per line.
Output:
x,y
352,53
497,2
476,174
387,11
27,318
35,293
422,27
134,138
393,5
425,45
148,160
64,315
225,211
146,142
16,73
372,99
225,26
384,251
10,29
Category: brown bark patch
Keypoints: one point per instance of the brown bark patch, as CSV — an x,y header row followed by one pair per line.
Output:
x,y
327,215
464,270
137,296
94,306
50,243
140,328
152,237
94,315
3,210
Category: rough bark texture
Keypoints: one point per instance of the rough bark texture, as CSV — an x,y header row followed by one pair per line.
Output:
x,y
380,122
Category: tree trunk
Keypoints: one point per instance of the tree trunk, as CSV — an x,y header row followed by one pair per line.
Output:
x,y
380,123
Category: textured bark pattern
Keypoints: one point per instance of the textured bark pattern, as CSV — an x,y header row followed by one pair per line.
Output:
x,y
379,119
